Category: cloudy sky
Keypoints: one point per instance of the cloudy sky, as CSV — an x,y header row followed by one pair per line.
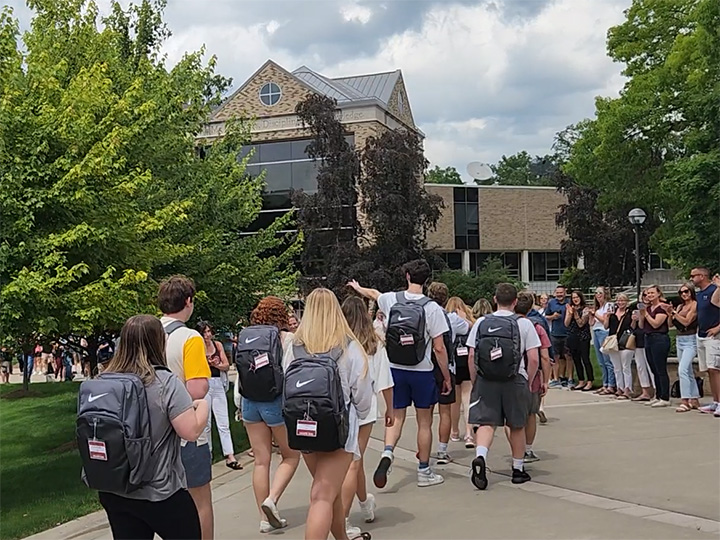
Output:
x,y
484,78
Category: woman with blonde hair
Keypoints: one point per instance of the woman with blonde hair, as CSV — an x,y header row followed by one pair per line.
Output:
x,y
360,323
264,424
618,322
323,329
163,506
462,375
481,308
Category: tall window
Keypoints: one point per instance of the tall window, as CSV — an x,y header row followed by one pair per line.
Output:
x,y
453,259
509,259
548,266
467,218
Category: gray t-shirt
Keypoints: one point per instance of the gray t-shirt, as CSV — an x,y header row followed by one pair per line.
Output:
x,y
167,399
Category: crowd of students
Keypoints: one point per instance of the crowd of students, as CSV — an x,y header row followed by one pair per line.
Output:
x,y
313,387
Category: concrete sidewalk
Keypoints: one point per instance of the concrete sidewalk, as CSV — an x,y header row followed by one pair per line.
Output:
x,y
608,469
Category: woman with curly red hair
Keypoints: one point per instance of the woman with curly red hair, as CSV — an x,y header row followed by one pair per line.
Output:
x,y
264,422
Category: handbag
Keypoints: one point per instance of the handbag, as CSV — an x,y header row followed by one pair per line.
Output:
x,y
627,341
610,344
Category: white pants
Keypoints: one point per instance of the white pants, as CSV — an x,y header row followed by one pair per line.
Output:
x,y
217,402
622,366
644,374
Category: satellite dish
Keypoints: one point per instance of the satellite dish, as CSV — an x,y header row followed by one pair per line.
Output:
x,y
479,171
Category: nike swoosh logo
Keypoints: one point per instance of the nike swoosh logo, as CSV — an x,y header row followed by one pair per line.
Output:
x,y
491,330
301,384
250,340
400,319
93,398
473,404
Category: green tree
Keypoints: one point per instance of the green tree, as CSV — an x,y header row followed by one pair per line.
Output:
x,y
521,169
657,146
448,175
103,190
472,287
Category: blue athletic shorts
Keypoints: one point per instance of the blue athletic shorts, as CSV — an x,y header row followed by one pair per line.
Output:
x,y
197,461
269,412
414,387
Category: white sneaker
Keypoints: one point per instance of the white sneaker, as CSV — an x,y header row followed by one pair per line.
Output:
x,y
271,513
652,402
265,527
368,508
660,403
427,478
352,532
709,409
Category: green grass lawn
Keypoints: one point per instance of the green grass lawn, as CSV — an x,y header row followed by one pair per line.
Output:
x,y
40,484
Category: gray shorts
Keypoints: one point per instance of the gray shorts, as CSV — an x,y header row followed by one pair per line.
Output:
x,y
534,403
499,403
197,461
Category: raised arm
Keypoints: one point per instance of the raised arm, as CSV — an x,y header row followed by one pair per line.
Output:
x,y
372,294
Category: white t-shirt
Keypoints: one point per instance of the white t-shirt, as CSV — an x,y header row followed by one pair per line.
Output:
x,y
601,311
435,325
529,338
379,368
357,388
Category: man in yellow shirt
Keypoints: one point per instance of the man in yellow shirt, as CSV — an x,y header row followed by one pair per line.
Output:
x,y
186,358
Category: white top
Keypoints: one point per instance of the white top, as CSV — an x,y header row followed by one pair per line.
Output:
x,y
529,338
435,325
379,368
357,388
601,311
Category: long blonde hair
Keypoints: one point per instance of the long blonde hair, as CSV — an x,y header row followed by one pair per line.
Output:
x,y
142,346
323,326
481,308
455,304
358,319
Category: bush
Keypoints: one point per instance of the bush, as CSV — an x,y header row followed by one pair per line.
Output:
x,y
575,278
471,287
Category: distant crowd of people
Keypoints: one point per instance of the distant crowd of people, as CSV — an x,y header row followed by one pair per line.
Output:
x,y
313,387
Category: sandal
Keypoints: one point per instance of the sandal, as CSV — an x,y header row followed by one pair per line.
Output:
x,y
684,408
641,398
363,536
234,465
251,454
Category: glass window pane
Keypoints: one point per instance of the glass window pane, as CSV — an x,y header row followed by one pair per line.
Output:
x,y
512,260
461,242
264,220
471,211
275,151
454,261
277,200
553,260
245,150
459,194
473,242
304,176
299,149
253,170
460,219
472,194
278,177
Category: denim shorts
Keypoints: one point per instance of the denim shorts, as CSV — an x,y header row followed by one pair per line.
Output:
x,y
269,412
197,461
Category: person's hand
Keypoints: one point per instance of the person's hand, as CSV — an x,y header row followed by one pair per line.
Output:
x,y
543,390
389,418
716,280
669,309
447,387
712,332
354,284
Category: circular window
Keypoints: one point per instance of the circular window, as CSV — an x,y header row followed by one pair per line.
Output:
x,y
270,94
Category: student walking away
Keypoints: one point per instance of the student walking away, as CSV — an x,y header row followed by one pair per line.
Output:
x,y
415,330
457,326
130,421
501,393
577,316
555,314
217,397
684,319
259,358
708,332
359,321
463,386
599,314
539,384
654,320
620,342
325,425
186,359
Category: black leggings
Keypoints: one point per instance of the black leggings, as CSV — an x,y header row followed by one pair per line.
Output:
x,y
580,351
175,518
657,348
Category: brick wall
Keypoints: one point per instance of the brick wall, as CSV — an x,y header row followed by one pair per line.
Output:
x,y
406,114
443,238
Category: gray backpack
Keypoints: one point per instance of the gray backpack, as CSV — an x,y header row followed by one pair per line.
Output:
x,y
314,408
113,433
498,348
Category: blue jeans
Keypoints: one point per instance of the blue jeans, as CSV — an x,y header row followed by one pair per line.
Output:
x,y
606,366
686,350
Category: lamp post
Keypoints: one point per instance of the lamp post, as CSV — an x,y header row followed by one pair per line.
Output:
x,y
637,217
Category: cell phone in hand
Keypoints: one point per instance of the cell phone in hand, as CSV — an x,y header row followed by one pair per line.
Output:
x,y
641,305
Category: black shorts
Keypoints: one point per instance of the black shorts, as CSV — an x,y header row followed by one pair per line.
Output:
x,y
559,345
499,403
450,398
462,375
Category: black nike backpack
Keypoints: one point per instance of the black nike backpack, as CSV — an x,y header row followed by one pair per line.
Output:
x,y
498,348
258,358
314,408
405,335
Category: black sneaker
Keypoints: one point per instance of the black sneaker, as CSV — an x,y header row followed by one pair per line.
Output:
x,y
381,473
520,477
479,474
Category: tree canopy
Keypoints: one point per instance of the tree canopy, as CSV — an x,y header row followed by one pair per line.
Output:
x,y
657,146
521,169
103,189
448,175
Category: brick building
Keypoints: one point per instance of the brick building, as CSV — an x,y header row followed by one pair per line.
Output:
x,y
515,224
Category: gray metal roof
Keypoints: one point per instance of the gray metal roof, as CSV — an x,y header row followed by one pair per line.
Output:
x,y
348,89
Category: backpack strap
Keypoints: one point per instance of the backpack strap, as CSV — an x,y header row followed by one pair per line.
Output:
x,y
300,350
170,328
402,299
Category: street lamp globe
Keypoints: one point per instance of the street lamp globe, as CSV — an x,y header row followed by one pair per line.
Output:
x,y
637,216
